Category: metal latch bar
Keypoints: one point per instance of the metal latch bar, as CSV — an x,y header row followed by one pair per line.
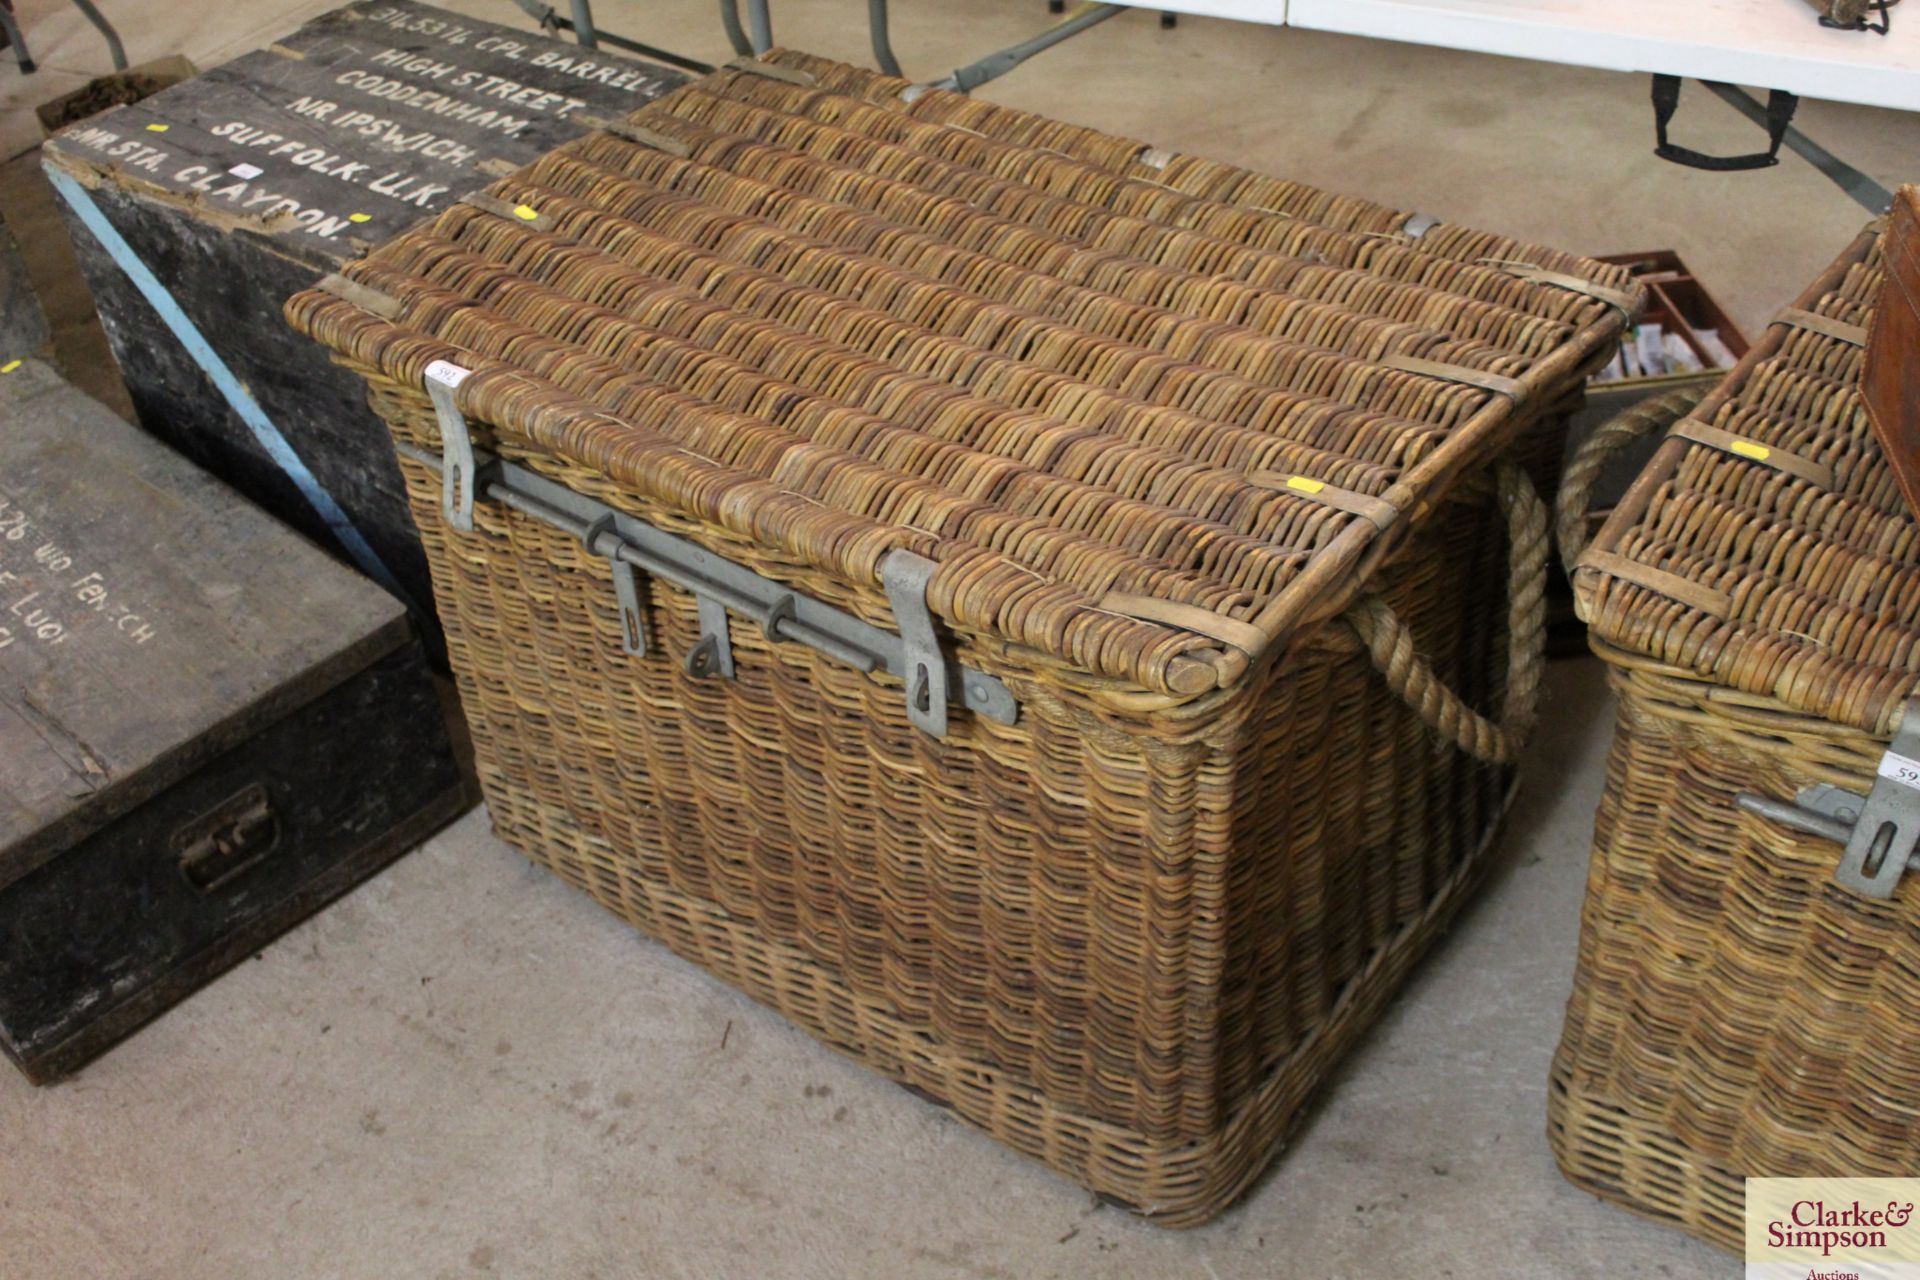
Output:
x,y
721,586
1880,829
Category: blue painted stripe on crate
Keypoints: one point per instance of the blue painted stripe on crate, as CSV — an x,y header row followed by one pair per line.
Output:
x,y
230,386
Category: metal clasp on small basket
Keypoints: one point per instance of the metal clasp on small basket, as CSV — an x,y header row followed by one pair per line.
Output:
x,y
1880,829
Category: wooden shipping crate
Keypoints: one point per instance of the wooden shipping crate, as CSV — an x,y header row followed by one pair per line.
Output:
x,y
208,729
250,182
1056,618
1749,970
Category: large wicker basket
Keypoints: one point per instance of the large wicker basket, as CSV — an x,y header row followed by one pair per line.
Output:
x,y
1012,601
1749,976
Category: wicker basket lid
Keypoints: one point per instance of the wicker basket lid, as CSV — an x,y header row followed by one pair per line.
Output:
x,y
1147,413
1766,547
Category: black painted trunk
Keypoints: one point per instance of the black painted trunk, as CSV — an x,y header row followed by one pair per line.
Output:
x,y
208,729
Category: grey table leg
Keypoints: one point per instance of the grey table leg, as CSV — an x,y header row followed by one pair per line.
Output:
x,y
15,39
114,47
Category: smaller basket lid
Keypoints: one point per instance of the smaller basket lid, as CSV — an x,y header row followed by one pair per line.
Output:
x,y
1766,547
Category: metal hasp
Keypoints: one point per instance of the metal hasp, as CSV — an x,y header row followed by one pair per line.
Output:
x,y
457,466
713,655
220,846
1880,829
905,576
722,587
601,540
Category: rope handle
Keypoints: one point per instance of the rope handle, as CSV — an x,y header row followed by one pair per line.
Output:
x,y
1391,644
1658,413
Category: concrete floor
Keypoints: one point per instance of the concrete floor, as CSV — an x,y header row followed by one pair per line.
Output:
x,y
466,1069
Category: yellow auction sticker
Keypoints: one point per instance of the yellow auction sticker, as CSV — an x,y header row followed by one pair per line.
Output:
x,y
156,128
1748,449
1305,484
526,212
11,365
359,217
1833,1227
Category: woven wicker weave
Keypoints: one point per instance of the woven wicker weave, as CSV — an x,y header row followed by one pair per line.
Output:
x,y
1736,1012
1211,481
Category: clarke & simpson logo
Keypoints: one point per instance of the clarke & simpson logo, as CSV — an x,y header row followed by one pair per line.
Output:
x,y
1813,1224
1833,1229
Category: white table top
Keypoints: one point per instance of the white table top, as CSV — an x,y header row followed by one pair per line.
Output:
x,y
1271,12
1765,44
